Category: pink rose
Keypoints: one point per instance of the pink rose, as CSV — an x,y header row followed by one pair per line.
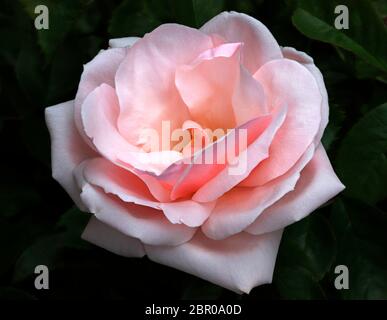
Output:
x,y
198,217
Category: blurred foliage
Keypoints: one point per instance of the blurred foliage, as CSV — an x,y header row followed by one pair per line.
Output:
x,y
39,225
362,158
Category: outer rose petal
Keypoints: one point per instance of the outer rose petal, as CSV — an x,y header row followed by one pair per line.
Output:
x,y
307,62
123,42
238,263
68,149
288,82
145,223
318,184
112,240
241,206
259,44
145,79
101,69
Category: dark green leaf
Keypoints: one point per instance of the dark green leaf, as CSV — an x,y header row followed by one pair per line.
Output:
x,y
67,66
364,221
73,221
361,230
298,283
309,244
29,71
336,117
205,10
15,237
367,275
133,18
366,36
362,162
62,16
306,254
49,250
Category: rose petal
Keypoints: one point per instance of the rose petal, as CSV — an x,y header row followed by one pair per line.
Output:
x,y
238,263
241,206
307,62
256,152
145,79
145,223
288,81
130,188
207,83
186,177
118,181
219,92
248,99
112,240
259,44
101,69
318,184
68,149
188,212
123,42
99,115
157,189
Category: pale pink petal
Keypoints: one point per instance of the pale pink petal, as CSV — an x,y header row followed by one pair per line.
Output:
x,y
256,152
238,263
145,223
317,185
206,86
259,44
217,40
287,81
68,149
99,115
118,181
159,190
307,61
130,188
225,50
123,42
145,79
248,100
198,136
188,212
241,206
100,234
101,69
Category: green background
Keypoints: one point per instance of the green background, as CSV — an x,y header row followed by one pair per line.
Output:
x,y
40,225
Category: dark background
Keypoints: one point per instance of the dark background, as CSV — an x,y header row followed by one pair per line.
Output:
x,y
40,225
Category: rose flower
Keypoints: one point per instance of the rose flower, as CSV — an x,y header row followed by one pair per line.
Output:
x,y
138,147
